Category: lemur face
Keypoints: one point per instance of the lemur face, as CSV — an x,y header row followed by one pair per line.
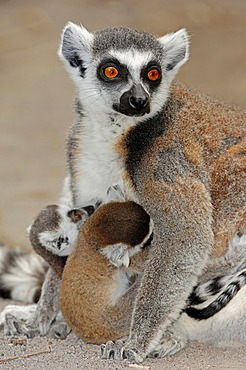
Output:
x,y
131,78
122,71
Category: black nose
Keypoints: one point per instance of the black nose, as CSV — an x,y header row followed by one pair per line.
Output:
x,y
138,103
134,102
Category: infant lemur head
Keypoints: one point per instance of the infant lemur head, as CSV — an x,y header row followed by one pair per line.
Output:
x,y
121,70
119,222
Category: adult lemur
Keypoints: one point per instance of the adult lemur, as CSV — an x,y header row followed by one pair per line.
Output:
x,y
178,154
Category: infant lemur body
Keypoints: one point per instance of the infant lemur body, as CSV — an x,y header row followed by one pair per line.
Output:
x,y
99,284
176,153
102,276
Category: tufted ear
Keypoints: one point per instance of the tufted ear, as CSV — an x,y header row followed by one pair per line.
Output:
x,y
75,50
176,51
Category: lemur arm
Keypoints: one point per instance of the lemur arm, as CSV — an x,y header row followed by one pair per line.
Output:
x,y
183,241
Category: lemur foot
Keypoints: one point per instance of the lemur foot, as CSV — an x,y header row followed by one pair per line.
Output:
x,y
22,320
59,329
169,345
17,320
36,319
121,350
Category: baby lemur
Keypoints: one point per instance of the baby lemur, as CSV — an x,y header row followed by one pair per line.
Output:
x,y
98,285
102,276
178,154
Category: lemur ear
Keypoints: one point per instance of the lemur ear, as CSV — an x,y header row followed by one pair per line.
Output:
x,y
75,49
176,51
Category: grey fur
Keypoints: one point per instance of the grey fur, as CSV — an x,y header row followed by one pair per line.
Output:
x,y
168,158
123,38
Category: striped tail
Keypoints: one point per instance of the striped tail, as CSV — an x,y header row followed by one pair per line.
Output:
x,y
21,275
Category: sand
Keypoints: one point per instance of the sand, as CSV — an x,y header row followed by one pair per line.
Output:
x,y
44,353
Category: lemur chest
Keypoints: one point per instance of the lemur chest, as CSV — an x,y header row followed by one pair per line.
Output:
x,y
98,166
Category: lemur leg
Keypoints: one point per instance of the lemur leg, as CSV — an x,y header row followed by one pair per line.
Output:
x,y
15,320
39,319
48,305
47,315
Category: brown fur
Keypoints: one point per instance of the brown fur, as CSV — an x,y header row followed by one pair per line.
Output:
x,y
187,168
88,278
210,138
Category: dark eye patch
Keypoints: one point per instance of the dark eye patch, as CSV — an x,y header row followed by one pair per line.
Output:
x,y
153,65
121,68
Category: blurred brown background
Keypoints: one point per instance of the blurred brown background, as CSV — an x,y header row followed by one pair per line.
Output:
x,y
36,95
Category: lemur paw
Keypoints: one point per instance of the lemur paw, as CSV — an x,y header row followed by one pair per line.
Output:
x,y
117,254
17,320
59,330
120,350
169,345
23,320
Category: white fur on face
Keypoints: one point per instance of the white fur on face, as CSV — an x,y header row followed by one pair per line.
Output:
x,y
134,60
78,41
62,240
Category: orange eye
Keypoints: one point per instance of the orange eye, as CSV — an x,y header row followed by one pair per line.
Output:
x,y
111,72
153,74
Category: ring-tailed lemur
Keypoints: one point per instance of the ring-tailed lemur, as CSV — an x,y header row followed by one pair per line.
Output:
x,y
178,154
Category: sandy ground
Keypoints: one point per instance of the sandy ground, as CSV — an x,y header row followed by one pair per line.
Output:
x,y
36,110
72,353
